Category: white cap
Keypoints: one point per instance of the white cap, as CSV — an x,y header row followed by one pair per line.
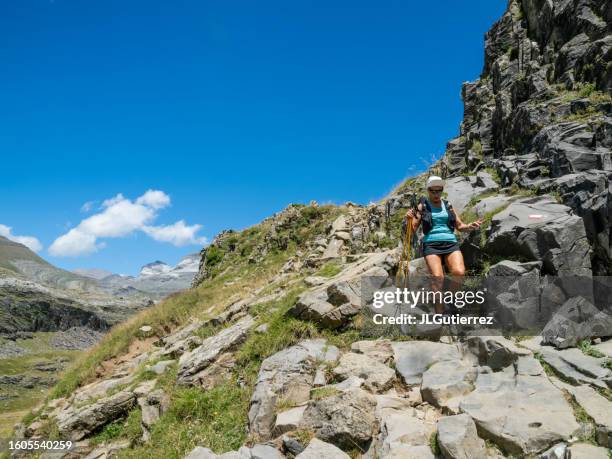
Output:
x,y
434,180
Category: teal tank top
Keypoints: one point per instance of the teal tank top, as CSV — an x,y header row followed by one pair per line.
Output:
x,y
440,232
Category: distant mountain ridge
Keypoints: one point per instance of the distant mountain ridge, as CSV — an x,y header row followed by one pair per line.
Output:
x,y
20,260
156,278
35,295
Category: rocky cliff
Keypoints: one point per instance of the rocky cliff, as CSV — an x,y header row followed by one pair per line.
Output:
x,y
269,356
539,115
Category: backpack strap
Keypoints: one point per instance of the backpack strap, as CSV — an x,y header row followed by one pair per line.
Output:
x,y
452,220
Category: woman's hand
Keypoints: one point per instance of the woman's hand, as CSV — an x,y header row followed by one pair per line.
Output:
x,y
475,225
411,214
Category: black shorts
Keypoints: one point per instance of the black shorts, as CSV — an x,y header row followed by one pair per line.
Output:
x,y
439,248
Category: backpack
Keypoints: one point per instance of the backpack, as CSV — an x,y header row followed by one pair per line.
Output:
x,y
426,219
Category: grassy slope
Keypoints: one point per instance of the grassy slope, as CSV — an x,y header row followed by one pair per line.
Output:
x,y
10,250
233,278
13,409
217,417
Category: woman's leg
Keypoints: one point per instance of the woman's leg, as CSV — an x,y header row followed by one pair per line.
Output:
x,y
454,261
434,263
456,266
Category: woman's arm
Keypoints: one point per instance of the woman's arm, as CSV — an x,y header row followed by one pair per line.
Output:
x,y
464,227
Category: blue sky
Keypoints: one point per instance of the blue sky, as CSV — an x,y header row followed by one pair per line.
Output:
x,y
232,109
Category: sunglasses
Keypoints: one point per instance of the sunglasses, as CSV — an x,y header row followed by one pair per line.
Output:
x,y
438,191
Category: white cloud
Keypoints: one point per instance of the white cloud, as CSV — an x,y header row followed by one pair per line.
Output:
x,y
154,198
118,219
29,241
122,217
178,233
75,242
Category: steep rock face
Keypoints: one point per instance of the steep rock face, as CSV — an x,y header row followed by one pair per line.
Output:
x,y
540,111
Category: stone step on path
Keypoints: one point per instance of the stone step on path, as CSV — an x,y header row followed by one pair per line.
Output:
x,y
572,364
458,439
588,451
197,360
258,451
596,406
605,348
318,449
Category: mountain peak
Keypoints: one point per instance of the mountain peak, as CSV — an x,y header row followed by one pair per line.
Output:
x,y
154,268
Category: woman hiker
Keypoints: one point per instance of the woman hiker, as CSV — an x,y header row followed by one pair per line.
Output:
x,y
440,244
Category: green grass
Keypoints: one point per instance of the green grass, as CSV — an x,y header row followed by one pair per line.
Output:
x,y
477,148
15,409
434,445
329,269
581,91
587,348
320,393
582,418
494,174
215,418
583,115
129,428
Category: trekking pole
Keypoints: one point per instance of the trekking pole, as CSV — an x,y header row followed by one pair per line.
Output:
x,y
400,266
409,247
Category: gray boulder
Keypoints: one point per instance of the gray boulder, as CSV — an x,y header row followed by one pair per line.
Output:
x,y
539,228
598,408
490,204
588,451
575,320
289,420
404,432
377,376
265,452
77,423
312,306
105,451
346,419
462,189
160,367
495,352
446,383
519,409
458,439
286,376
413,358
379,350
182,333
318,449
201,357
576,367
559,451
334,306
153,406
